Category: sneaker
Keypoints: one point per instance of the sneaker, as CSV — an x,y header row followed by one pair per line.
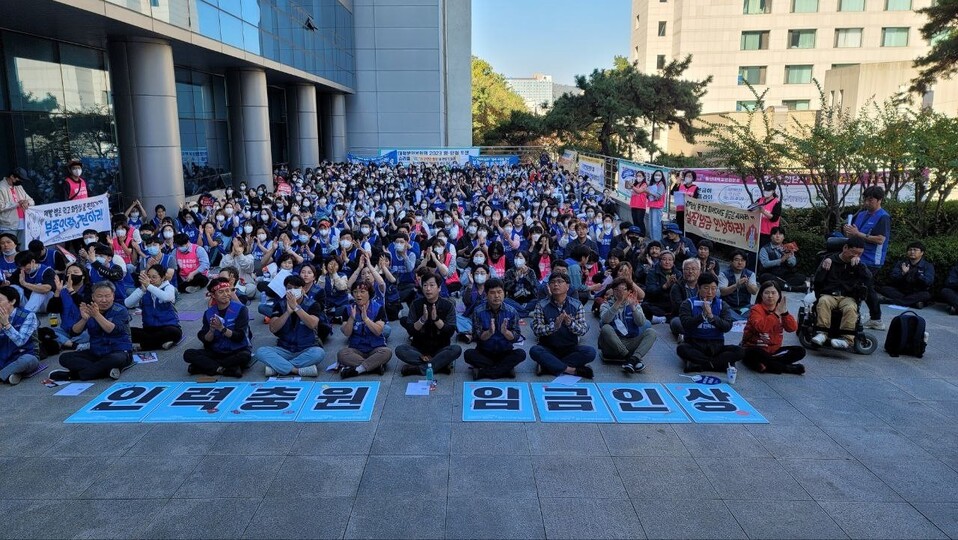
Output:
x,y
168,345
679,339
875,324
14,379
820,338
638,366
585,372
348,372
60,375
628,368
309,371
234,371
137,347
83,347
657,319
539,371
270,372
115,373
409,370
794,369
919,305
192,289
838,343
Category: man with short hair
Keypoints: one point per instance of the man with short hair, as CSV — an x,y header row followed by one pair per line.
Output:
x,y
558,322
872,225
687,288
674,241
431,322
224,335
111,345
296,351
911,279
496,324
626,336
705,321
838,278
737,285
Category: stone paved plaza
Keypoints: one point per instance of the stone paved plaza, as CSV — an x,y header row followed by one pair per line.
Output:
x,y
860,447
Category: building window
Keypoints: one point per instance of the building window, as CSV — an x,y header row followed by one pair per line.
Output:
x,y
754,7
801,39
660,61
755,41
637,22
797,104
848,38
837,66
851,5
751,75
635,53
897,5
745,105
798,74
662,25
804,6
894,37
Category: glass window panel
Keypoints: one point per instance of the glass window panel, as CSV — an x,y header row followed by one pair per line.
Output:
x,y
754,41
232,29
209,17
33,73
251,11
184,100
797,104
798,74
745,105
804,6
753,7
848,37
662,26
894,37
751,75
251,39
898,5
233,7
851,5
801,39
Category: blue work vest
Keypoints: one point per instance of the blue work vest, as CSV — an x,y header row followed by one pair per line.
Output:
x,y
221,343
705,330
156,313
295,336
10,351
362,338
102,343
874,254
740,297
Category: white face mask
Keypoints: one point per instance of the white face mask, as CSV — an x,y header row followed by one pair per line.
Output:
x,y
121,233
297,293
447,220
220,218
77,171
471,230
364,230
480,278
536,237
478,260
261,237
438,250
520,263
228,210
345,244
248,229
294,223
167,234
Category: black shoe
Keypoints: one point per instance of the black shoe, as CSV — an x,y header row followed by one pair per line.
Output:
x,y
511,374
628,368
446,370
409,370
585,372
794,369
692,368
235,371
191,369
539,371
348,372
60,375
920,305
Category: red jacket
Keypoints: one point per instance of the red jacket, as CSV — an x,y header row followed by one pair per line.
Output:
x,y
763,321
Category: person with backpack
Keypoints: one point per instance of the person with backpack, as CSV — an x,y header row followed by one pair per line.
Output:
x,y
911,279
768,320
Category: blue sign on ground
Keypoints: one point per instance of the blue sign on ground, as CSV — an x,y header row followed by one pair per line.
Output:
x,y
272,401
642,403
196,402
718,404
497,402
340,402
123,402
576,403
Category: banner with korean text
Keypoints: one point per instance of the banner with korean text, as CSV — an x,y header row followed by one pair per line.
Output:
x,y
59,222
433,156
389,158
723,223
627,173
594,170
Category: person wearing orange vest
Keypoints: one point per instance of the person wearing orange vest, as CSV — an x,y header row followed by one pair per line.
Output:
x,y
680,193
74,185
193,264
770,205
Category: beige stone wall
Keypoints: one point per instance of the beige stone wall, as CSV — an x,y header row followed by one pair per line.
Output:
x,y
854,86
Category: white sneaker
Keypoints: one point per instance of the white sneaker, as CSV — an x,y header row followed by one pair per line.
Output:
x,y
14,379
819,339
838,343
115,373
270,372
168,345
875,325
309,371
657,319
83,347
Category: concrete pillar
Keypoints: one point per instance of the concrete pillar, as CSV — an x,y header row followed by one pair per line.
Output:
x,y
148,132
302,117
337,134
249,127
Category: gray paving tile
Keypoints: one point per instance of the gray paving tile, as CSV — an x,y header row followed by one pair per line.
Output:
x,y
784,519
881,520
839,480
943,515
283,518
311,476
577,477
230,476
642,440
663,478
24,518
477,517
98,440
927,389
869,388
402,408
836,411
489,439
31,439
917,480
142,477
779,412
405,477
797,441
398,517
687,519
566,440
809,386
49,478
509,477
338,438
106,518
910,412
875,442
412,438
720,440
202,518
256,439
177,440
758,478
592,518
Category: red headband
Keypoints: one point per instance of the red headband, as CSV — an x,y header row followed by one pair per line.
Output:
x,y
220,286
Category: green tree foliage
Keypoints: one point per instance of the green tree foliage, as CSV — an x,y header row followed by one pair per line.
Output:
x,y
941,30
492,100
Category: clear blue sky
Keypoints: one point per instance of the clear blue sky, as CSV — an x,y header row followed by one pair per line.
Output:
x,y
562,38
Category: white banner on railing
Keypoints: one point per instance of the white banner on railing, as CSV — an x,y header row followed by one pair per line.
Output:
x,y
59,222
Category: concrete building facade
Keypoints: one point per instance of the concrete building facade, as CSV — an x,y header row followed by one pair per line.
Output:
x,y
539,92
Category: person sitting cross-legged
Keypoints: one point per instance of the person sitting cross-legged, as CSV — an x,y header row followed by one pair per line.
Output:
x,y
431,322
911,279
19,344
161,324
108,324
366,349
838,278
224,335
296,351
558,322
737,285
705,320
626,336
768,320
497,325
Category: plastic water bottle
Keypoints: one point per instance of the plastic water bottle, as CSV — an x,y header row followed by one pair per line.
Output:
x,y
54,320
430,376
732,372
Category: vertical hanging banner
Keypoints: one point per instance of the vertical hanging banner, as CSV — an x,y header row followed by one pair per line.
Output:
x,y
594,170
722,223
59,222
568,159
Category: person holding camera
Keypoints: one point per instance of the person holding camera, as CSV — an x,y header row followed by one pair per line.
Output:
x,y
777,262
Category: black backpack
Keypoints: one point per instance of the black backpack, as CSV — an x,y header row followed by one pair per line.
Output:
x,y
906,335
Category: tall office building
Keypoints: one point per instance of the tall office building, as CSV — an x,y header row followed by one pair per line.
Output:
x,y
776,45
161,99
539,92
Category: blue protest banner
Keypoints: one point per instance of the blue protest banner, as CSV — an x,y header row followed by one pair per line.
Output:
x,y
196,402
123,402
576,403
340,402
718,404
271,401
642,403
497,402
493,161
